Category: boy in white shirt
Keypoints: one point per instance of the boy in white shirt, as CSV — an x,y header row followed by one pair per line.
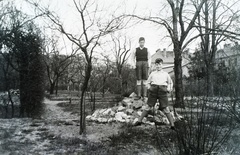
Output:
x,y
159,84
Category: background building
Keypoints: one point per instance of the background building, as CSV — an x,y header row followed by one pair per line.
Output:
x,y
229,56
168,60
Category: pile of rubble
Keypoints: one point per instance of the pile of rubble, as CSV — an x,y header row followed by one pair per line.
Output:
x,y
128,111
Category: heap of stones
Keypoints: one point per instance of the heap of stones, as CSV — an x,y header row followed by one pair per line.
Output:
x,y
128,111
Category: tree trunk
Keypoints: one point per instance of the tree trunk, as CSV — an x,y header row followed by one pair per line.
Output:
x,y
56,87
103,88
94,100
12,103
179,94
120,79
177,45
52,88
209,55
23,92
121,85
213,49
82,101
209,79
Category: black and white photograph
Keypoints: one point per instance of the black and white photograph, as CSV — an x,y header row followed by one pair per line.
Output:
x,y
119,77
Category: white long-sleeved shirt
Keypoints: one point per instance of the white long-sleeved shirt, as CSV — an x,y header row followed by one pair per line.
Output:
x,y
133,57
160,78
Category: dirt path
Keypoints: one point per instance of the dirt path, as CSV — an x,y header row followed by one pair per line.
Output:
x,y
39,136
60,122
56,133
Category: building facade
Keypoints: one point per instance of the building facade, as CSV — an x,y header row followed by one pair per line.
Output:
x,y
229,56
168,61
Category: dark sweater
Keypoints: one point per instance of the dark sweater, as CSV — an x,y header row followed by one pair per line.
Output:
x,y
141,54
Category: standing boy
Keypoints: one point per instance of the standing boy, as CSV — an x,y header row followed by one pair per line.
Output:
x,y
159,84
141,60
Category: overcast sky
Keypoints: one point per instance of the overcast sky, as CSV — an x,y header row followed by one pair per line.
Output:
x,y
155,35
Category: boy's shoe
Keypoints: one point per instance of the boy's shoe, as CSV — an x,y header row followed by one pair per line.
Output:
x,y
173,128
137,123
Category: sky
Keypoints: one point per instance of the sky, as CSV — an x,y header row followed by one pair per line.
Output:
x,y
156,36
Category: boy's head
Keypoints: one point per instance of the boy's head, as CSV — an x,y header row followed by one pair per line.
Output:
x,y
158,63
141,41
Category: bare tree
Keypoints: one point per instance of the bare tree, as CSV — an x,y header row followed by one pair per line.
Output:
x,y
121,49
179,28
104,72
56,64
74,74
214,28
92,28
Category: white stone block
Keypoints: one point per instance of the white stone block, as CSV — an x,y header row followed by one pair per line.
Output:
x,y
132,95
139,113
107,112
89,117
121,108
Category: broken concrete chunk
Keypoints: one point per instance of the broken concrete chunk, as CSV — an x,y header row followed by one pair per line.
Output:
x,y
121,108
144,107
102,120
112,113
120,116
96,113
127,102
89,117
129,111
139,113
133,95
127,120
114,108
120,103
111,120
125,116
119,119
135,120
107,112
93,118
144,120
137,104
150,123
165,120
101,111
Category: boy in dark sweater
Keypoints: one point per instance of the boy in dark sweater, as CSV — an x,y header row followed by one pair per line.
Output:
x,y
141,59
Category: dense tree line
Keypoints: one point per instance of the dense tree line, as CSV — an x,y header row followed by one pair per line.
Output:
x,y
225,76
22,62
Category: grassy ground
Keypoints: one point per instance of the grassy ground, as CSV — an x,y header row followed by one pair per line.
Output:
x,y
147,139
57,133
